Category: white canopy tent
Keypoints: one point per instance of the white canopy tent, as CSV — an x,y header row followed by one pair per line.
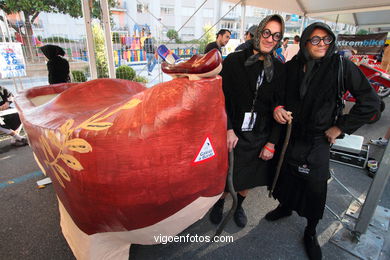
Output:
x,y
361,13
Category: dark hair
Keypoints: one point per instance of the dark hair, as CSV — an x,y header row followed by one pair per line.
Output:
x,y
286,38
297,38
222,32
276,18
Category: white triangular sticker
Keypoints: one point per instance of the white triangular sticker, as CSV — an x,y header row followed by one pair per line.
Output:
x,y
205,152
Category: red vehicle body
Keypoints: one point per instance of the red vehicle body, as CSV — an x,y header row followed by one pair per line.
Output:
x,y
377,77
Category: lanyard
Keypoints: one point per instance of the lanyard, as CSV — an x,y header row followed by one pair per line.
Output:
x,y
258,84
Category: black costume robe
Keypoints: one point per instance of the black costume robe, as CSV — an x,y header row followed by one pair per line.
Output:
x,y
57,66
239,85
312,116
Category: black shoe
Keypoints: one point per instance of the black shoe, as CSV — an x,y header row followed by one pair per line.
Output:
x,y
21,142
216,213
240,217
278,213
312,247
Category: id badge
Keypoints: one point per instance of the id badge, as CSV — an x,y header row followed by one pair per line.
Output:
x,y
247,126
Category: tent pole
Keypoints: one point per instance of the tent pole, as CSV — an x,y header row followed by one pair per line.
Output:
x,y
302,25
90,46
108,38
243,13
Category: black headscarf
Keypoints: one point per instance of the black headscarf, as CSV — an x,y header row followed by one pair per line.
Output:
x,y
268,63
51,51
304,56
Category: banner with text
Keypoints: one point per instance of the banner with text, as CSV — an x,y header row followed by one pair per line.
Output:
x,y
11,60
371,44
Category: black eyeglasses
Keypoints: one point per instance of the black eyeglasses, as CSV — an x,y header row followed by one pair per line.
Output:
x,y
315,40
275,36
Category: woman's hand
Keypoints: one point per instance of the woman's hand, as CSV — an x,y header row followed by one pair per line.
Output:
x,y
282,116
267,152
4,106
232,139
332,133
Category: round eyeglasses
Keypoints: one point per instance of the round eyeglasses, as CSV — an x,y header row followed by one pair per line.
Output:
x,y
315,40
275,36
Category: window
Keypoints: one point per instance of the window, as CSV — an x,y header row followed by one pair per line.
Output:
x,y
187,11
167,10
259,12
142,8
227,25
208,12
188,31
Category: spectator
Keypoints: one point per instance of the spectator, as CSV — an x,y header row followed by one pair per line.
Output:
x,y
248,38
292,49
150,49
223,37
57,66
9,124
284,44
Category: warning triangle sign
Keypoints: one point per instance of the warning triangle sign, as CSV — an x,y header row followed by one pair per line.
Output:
x,y
206,152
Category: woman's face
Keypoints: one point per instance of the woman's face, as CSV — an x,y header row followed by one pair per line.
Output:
x,y
267,44
318,51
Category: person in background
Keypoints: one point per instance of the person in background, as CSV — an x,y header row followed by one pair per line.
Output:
x,y
248,39
223,37
292,49
250,81
150,49
284,44
10,124
314,96
57,66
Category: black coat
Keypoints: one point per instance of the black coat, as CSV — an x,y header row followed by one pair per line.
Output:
x,y
239,85
302,185
58,69
57,66
315,113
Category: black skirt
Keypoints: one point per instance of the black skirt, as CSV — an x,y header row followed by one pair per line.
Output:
x,y
249,170
306,196
11,121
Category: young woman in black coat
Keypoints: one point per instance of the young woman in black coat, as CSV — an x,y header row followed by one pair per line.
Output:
x,y
312,94
57,66
250,79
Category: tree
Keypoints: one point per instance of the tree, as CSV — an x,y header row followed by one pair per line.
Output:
x,y
101,59
172,34
362,32
32,8
209,36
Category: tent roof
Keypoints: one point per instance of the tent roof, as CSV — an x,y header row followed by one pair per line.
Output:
x,y
362,13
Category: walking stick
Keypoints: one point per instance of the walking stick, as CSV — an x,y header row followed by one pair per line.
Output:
x,y
232,192
281,158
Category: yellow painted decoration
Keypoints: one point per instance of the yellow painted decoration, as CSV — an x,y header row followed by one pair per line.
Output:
x,y
62,172
65,127
132,103
78,145
71,162
97,126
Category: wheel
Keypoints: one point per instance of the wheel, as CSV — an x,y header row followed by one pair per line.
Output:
x,y
383,91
